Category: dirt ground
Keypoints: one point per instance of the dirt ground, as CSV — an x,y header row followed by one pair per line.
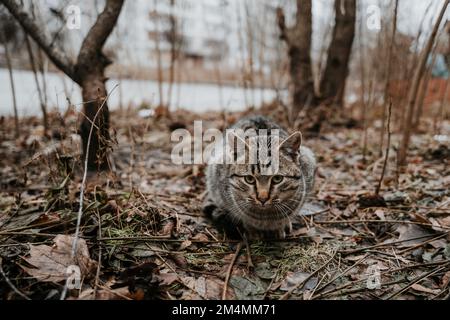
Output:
x,y
143,235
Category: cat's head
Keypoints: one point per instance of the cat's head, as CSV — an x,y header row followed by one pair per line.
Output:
x,y
270,196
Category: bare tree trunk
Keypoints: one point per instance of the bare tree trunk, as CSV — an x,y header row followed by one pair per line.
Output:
x,y
38,86
322,56
364,101
439,116
88,72
332,85
13,88
409,71
94,96
173,52
251,52
158,58
412,96
242,52
418,108
298,40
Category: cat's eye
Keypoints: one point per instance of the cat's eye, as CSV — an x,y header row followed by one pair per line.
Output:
x,y
277,179
249,179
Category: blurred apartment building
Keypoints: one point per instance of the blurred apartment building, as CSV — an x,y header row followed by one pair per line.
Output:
x,y
228,34
208,33
197,30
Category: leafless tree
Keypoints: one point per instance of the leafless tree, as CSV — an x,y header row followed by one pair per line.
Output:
x,y
418,108
173,40
388,75
298,40
38,85
159,66
412,95
88,71
332,85
8,30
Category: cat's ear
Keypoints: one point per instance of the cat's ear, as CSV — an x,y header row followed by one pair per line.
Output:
x,y
292,143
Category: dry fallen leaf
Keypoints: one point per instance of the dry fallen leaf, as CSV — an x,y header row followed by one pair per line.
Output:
x,y
295,278
105,294
446,279
445,222
205,288
200,237
380,214
166,279
412,231
51,263
421,288
185,244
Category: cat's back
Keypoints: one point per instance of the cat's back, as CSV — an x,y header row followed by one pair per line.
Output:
x,y
257,123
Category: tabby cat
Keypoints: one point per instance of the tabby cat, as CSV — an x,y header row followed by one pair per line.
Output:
x,y
262,205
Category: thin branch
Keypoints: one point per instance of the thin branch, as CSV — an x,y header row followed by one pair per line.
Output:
x,y
10,284
230,269
416,280
300,285
82,189
412,95
386,156
53,52
388,76
100,31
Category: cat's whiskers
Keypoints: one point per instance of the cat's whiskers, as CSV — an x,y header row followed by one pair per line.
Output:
x,y
283,212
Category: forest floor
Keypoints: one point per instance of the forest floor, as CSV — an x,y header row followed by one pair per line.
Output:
x,y
143,234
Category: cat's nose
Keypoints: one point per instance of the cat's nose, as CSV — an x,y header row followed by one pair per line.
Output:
x,y
263,197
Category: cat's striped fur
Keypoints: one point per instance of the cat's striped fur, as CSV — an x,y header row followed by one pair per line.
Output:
x,y
261,205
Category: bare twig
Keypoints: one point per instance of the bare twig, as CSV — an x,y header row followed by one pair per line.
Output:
x,y
380,221
300,285
388,76
383,244
423,243
82,189
416,280
386,156
341,274
412,95
230,269
12,286
13,88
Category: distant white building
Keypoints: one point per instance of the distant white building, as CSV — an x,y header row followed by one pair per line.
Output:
x,y
201,30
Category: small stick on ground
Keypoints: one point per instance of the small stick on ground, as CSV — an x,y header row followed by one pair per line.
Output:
x,y
339,275
250,265
300,285
99,262
380,221
383,245
230,269
12,286
416,280
82,189
422,243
